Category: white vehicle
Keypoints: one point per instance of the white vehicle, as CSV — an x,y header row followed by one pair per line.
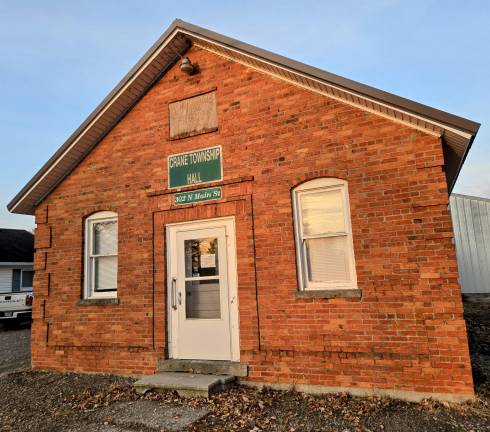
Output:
x,y
16,275
16,306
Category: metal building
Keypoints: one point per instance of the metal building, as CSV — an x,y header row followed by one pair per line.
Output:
x,y
471,224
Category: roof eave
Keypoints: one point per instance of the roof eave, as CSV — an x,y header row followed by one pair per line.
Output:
x,y
435,114
461,162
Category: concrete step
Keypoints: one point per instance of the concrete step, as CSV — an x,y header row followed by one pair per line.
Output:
x,y
186,384
213,367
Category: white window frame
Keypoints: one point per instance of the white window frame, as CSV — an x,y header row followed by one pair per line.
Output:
x,y
23,288
89,292
312,186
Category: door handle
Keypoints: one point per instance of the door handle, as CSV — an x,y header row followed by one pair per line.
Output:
x,y
174,292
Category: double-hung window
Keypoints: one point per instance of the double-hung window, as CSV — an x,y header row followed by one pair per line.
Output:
x,y
325,253
101,255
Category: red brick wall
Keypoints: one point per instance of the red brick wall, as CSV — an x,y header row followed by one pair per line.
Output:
x,y
407,331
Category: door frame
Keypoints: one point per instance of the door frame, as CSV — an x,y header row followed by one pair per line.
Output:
x,y
171,250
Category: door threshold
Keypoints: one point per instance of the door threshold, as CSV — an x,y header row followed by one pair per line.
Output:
x,y
205,367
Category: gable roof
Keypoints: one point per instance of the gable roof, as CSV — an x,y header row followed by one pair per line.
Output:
x,y
457,133
16,246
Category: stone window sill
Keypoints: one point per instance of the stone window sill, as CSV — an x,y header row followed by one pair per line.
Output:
x,y
328,294
98,302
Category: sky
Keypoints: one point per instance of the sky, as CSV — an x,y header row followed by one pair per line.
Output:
x,y
59,59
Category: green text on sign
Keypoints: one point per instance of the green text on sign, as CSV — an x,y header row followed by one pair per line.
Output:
x,y
200,166
197,196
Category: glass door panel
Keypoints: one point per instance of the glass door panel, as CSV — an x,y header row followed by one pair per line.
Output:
x,y
202,287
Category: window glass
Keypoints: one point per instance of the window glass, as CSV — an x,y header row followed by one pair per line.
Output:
x,y
327,259
201,257
105,238
322,212
105,273
27,277
202,299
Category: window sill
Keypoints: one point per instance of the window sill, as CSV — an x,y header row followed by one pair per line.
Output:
x,y
98,302
327,294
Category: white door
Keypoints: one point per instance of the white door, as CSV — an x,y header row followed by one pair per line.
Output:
x,y
202,290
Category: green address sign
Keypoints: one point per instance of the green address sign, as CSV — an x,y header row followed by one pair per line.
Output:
x,y
197,196
196,167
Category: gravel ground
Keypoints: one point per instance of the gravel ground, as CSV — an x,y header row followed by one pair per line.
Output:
x,y
79,403
92,402
15,348
477,317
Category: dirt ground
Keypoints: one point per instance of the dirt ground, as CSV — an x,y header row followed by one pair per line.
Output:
x,y
44,401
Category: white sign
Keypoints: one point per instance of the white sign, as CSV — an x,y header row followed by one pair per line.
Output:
x,y
208,261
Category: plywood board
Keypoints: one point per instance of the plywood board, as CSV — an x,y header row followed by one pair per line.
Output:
x,y
193,116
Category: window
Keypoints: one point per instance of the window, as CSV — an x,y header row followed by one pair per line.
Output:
x,y
101,255
325,253
26,280
20,280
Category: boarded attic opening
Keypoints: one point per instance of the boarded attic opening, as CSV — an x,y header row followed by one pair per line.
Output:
x,y
193,116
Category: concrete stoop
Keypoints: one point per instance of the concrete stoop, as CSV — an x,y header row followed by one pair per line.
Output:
x,y
186,384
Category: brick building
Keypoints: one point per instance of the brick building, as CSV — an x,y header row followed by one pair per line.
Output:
x,y
233,205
